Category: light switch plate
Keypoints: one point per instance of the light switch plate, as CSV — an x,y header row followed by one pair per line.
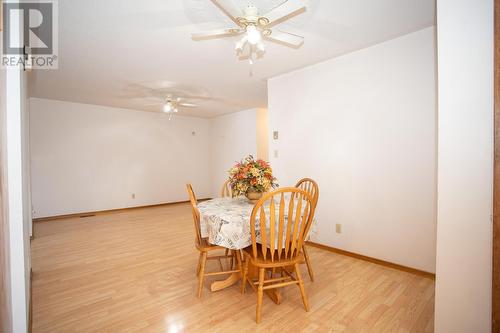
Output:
x,y
275,135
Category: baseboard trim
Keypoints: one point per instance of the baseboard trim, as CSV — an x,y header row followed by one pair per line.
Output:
x,y
373,260
116,210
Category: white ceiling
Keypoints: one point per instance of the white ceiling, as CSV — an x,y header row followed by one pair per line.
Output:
x,y
110,49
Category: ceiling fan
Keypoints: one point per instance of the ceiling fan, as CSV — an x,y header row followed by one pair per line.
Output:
x,y
168,97
171,104
256,27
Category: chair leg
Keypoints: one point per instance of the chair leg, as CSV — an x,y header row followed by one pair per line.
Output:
x,y
231,260
244,279
199,264
238,262
301,287
201,275
308,263
220,265
260,292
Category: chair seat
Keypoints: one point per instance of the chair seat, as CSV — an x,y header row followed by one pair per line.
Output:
x,y
267,262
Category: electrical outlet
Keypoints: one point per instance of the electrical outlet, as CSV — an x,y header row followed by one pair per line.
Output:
x,y
133,195
275,135
338,228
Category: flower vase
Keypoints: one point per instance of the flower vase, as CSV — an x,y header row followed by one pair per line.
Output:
x,y
253,195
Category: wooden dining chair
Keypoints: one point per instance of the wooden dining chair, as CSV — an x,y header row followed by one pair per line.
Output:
x,y
311,187
282,219
226,191
204,247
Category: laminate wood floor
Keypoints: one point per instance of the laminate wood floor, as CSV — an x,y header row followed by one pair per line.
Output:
x,y
134,271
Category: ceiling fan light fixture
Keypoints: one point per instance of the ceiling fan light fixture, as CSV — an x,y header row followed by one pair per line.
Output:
x,y
253,35
254,27
167,107
239,46
260,47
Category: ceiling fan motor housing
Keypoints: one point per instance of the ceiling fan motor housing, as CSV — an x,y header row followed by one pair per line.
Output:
x,y
251,13
256,27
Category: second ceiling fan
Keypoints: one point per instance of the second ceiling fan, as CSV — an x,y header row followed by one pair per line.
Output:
x,y
256,27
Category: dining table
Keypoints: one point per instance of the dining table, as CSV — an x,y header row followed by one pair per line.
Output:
x,y
226,222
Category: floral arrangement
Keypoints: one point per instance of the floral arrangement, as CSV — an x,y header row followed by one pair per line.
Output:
x,y
251,175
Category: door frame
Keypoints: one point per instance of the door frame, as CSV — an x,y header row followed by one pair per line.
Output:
x,y
496,182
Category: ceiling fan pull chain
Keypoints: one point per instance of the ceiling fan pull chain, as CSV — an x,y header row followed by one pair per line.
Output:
x,y
250,61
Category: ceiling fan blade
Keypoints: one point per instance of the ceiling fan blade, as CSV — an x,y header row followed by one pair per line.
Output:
x,y
228,8
246,56
243,57
188,105
286,38
147,99
216,34
185,96
285,11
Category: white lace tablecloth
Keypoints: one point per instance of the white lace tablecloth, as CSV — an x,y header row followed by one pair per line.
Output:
x,y
226,222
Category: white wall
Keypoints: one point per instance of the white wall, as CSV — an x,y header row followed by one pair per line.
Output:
x,y
18,226
464,234
15,220
25,146
234,136
26,184
5,290
90,158
262,134
364,126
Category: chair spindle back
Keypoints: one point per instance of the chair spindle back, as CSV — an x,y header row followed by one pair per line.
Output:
x,y
196,212
226,191
283,217
311,187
